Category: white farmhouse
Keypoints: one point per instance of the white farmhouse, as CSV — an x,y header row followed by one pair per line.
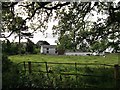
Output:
x,y
49,49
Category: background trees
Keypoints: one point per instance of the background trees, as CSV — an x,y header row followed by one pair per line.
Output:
x,y
9,48
30,47
74,22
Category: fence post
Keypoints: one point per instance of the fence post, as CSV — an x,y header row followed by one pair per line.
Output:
x,y
116,75
76,67
24,66
30,71
47,70
29,67
76,72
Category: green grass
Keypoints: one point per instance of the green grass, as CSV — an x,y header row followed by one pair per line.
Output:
x,y
109,59
61,70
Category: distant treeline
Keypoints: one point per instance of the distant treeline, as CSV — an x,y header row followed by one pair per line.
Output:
x,y
14,48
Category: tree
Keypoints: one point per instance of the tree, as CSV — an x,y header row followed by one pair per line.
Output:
x,y
64,43
73,24
14,23
108,30
86,33
30,47
7,47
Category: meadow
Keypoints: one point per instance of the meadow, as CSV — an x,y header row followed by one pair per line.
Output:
x,y
108,59
67,76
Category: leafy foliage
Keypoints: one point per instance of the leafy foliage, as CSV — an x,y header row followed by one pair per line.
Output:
x,y
89,34
74,22
29,46
11,48
10,75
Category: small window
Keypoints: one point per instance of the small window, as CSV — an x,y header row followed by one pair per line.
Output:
x,y
47,48
55,51
47,51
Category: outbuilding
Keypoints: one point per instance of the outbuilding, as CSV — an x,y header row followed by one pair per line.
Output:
x,y
78,53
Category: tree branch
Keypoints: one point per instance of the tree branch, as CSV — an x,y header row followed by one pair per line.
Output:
x,y
8,6
58,6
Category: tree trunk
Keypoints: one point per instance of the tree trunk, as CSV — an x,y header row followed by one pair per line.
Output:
x,y
19,42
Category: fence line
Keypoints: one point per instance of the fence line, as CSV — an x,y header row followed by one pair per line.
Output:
x,y
70,63
115,67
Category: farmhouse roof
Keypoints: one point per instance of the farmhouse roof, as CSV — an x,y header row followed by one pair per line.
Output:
x,y
48,46
40,42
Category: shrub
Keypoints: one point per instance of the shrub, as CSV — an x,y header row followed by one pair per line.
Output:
x,y
10,74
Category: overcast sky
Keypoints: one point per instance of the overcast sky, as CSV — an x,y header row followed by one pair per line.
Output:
x,y
39,36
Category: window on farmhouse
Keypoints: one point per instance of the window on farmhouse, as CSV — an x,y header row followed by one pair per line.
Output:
x,y
47,50
55,50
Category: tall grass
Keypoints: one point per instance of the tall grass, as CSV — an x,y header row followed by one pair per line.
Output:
x,y
67,76
63,76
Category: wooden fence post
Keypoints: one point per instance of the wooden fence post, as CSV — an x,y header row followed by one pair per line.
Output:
x,y
30,71
24,66
29,67
47,70
76,72
116,75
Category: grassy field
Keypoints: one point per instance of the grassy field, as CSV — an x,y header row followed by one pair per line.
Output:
x,y
61,75
109,59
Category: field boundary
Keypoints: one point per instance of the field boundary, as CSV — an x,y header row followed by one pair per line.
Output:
x,y
27,66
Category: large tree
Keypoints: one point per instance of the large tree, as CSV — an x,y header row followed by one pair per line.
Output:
x,y
73,24
15,23
92,35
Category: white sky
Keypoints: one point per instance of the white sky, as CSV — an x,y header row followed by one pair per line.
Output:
x,y
50,39
39,36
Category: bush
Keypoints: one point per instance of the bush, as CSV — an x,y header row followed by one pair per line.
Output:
x,y
37,50
55,80
6,63
10,74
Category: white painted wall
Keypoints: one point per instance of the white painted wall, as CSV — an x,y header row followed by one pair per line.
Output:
x,y
41,50
78,53
51,50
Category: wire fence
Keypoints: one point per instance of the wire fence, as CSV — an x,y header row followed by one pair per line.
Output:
x,y
74,74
